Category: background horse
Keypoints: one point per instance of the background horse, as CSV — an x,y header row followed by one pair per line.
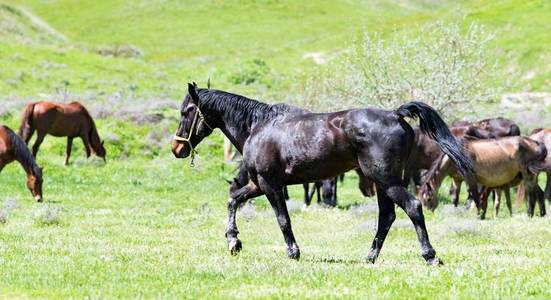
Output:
x,y
12,147
70,120
498,164
281,147
425,151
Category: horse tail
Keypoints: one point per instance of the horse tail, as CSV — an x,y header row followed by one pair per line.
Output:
x,y
432,125
27,122
520,195
514,130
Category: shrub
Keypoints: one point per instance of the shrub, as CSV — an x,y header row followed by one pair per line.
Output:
x,y
441,65
252,71
47,215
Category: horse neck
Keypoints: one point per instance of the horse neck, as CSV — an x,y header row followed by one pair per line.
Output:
x,y
94,136
26,161
236,136
217,117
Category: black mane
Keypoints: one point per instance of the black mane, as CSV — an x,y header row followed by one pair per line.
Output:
x,y
239,110
22,153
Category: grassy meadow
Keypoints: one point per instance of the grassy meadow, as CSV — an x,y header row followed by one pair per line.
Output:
x,y
145,225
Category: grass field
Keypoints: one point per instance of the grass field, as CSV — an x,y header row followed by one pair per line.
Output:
x,y
153,228
146,225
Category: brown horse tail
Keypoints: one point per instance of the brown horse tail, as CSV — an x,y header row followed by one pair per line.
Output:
x,y
520,195
27,122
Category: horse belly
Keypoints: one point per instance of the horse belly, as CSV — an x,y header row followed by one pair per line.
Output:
x,y
65,126
495,175
318,169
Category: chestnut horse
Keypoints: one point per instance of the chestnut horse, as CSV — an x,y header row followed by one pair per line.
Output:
x,y
282,147
12,147
71,120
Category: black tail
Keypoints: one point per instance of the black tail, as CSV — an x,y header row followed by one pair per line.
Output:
x,y
432,125
27,122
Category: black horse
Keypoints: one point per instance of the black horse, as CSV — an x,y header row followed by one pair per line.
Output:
x,y
282,145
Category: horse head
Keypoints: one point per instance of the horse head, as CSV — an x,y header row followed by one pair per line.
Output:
x,y
192,128
34,183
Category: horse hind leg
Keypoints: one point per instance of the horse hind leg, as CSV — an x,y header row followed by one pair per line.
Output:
x,y
497,201
37,143
387,215
237,198
414,210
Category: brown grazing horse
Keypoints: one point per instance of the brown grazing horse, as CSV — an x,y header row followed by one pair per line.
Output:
x,y
12,147
281,147
498,163
71,120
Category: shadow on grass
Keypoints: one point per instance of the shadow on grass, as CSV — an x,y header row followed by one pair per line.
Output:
x,y
332,260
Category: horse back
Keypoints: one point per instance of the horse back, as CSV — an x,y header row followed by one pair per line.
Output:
x,y
60,119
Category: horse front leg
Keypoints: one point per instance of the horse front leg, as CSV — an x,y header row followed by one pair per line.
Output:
x,y
273,191
540,198
237,198
68,150
456,184
497,201
87,146
307,198
507,192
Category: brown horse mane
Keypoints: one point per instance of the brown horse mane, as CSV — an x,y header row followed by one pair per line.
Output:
x,y
22,153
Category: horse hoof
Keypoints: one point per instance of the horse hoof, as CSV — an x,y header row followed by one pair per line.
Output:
x,y
294,253
234,245
371,257
435,261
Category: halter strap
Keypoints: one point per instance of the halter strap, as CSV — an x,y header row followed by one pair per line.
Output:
x,y
198,115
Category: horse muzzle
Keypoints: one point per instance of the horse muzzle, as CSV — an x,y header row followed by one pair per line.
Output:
x,y
38,198
180,150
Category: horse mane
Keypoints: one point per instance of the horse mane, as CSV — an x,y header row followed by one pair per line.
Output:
x,y
241,111
22,153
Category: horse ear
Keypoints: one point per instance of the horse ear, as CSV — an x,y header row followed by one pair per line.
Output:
x,y
195,84
208,83
193,93
102,142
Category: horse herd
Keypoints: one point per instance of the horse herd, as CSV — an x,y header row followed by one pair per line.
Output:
x,y
284,145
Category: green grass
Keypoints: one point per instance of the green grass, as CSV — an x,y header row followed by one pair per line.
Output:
x,y
146,225
149,226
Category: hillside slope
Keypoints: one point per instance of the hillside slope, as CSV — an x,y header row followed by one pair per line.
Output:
x,y
262,43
